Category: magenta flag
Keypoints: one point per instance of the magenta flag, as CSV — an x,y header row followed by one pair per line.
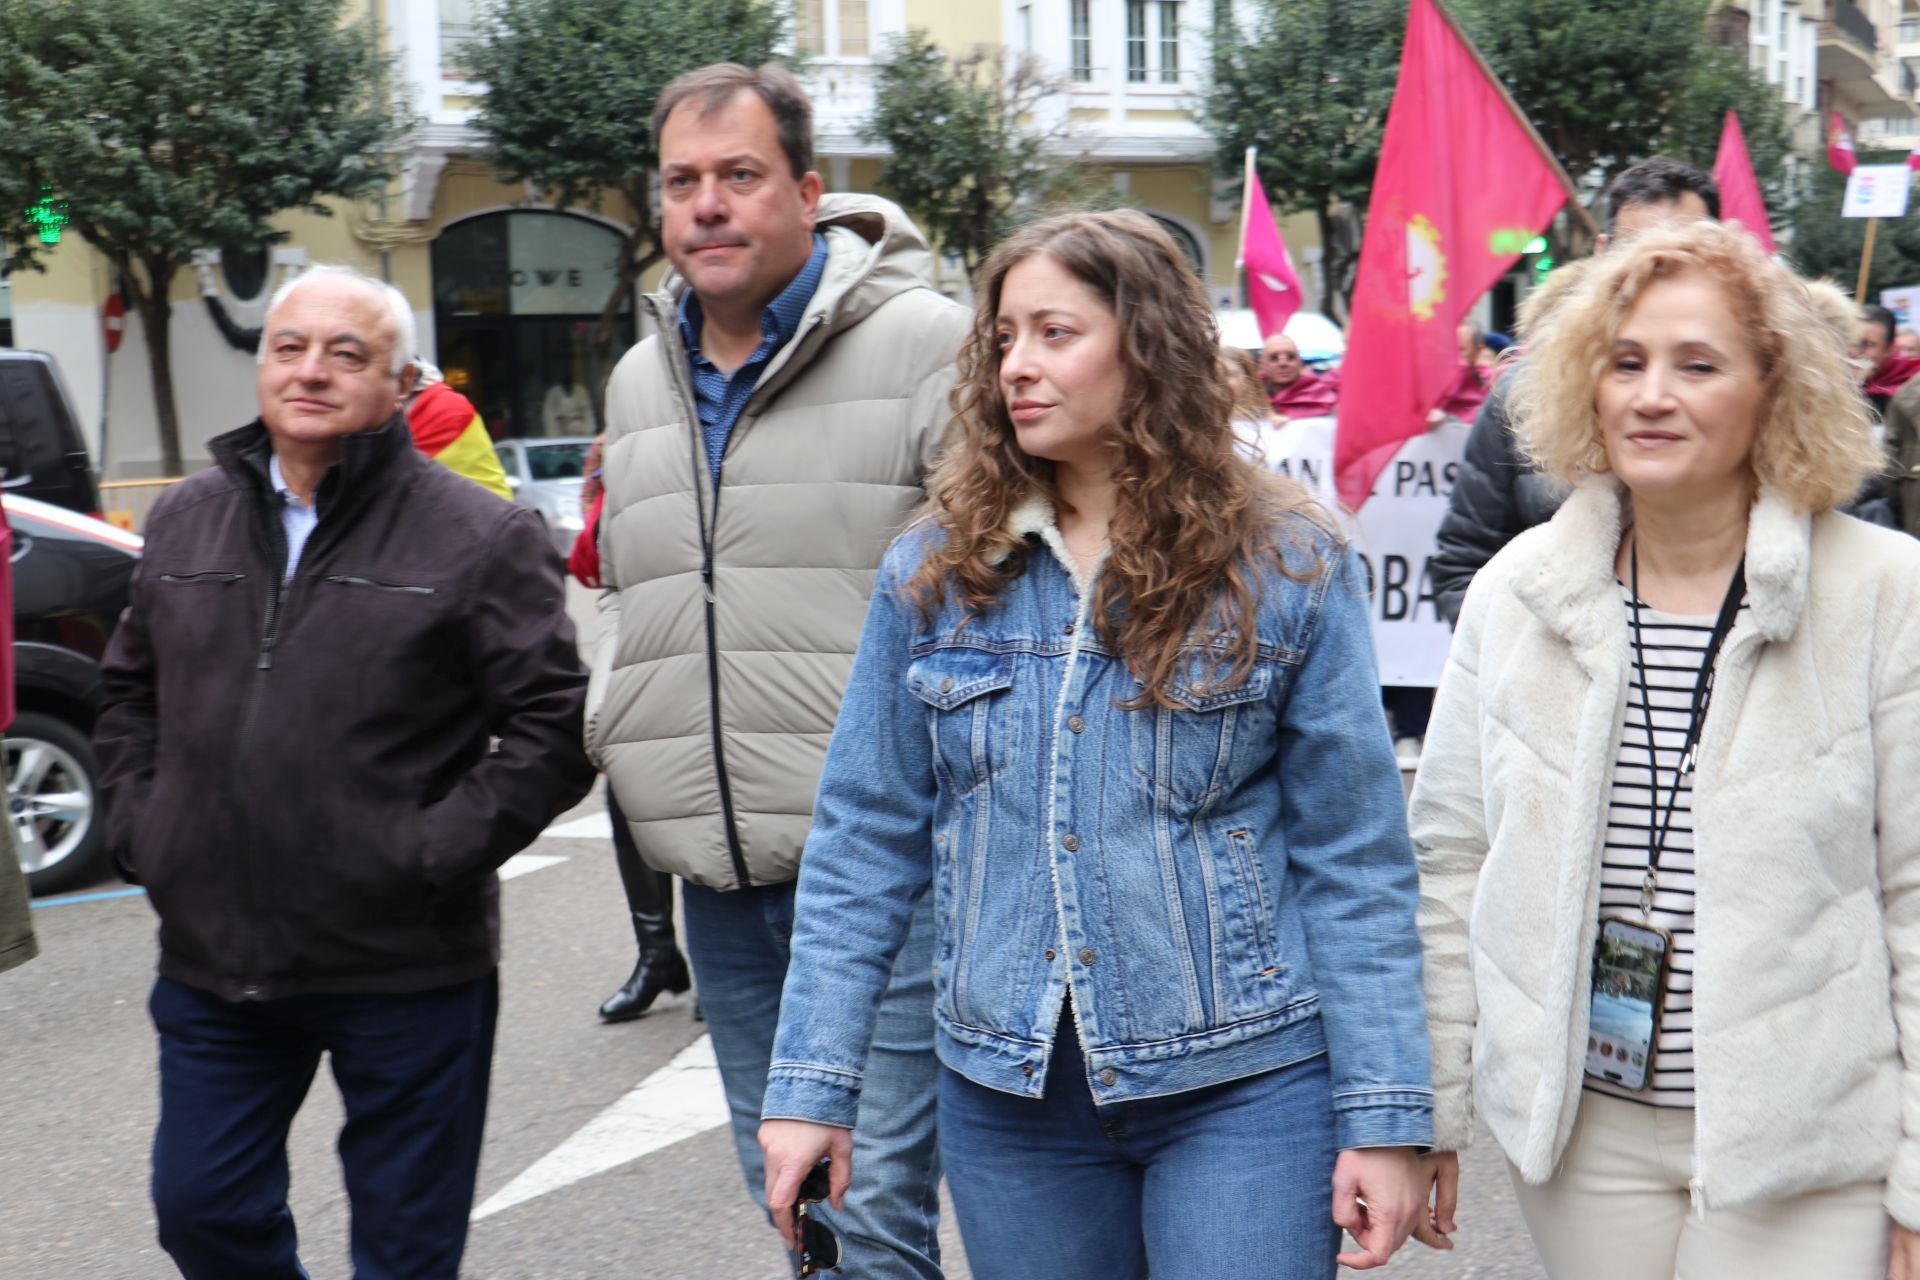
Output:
x,y
1740,199
1273,290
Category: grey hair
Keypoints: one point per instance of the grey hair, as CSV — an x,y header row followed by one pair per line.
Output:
x,y
400,311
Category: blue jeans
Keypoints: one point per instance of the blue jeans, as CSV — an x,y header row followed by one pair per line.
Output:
x,y
413,1072
738,942
1230,1182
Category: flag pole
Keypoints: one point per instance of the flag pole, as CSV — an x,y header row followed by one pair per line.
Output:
x,y
1866,262
1246,211
1573,196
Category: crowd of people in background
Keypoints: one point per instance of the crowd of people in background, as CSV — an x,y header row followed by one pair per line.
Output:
x,y
1015,737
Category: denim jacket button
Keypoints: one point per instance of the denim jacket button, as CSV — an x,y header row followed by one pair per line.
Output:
x,y
946,686
1070,842
1108,1076
1049,953
1087,956
1076,724
1069,628
1026,1068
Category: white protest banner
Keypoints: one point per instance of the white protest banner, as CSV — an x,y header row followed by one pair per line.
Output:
x,y
1877,191
1394,533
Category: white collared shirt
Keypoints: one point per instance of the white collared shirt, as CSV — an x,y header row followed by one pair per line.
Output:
x,y
296,517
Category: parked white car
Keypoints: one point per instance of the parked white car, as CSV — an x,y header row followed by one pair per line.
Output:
x,y
545,474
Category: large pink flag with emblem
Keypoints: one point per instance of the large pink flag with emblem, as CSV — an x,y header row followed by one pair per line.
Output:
x,y
1740,199
1463,184
1273,289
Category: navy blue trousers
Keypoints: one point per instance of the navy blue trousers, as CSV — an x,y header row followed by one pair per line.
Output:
x,y
413,1073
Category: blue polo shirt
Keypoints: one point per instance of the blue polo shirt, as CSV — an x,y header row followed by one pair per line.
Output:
x,y
719,396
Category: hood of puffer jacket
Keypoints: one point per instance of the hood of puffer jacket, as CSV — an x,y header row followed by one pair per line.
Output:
x,y
873,252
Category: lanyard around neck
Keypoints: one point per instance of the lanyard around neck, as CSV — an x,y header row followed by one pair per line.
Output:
x,y
1696,714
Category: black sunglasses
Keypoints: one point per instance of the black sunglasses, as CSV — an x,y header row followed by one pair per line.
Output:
x,y
819,1247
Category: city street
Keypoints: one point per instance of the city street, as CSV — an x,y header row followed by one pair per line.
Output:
x,y
607,1153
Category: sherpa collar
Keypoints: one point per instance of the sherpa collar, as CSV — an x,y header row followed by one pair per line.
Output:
x,y
1035,518
1564,572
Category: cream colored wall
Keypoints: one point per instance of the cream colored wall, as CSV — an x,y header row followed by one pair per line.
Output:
x,y
1181,191
957,25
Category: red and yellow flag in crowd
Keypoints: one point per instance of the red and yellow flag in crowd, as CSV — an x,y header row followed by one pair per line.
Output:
x,y
1463,184
1839,144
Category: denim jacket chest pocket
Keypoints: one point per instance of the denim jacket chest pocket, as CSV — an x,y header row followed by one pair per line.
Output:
x,y
967,692
1213,737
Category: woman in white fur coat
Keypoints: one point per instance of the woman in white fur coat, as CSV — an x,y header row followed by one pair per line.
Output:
x,y
1764,820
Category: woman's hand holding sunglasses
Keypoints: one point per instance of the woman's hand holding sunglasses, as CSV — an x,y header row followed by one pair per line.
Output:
x,y
792,1149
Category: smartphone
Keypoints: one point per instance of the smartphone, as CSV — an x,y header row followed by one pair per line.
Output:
x,y
1629,988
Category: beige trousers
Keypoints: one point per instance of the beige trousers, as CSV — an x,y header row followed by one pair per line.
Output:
x,y
1618,1210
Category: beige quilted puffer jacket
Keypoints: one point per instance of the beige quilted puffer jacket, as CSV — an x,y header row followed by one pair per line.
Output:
x,y
711,707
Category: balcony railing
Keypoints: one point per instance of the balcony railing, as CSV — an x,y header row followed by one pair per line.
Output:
x,y
1855,24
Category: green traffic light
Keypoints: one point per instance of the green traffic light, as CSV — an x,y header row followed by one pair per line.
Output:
x,y
48,216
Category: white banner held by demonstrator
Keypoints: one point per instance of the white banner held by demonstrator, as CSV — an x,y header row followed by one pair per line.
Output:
x,y
1877,191
1394,534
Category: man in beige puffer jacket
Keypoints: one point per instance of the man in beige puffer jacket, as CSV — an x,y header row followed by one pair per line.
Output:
x,y
765,442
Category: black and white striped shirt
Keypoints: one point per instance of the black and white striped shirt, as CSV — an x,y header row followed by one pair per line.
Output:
x,y
1673,647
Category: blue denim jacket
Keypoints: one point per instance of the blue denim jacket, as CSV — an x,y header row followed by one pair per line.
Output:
x,y
1225,888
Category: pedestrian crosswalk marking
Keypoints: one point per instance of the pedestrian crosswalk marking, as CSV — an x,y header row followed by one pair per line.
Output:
x,y
521,863
595,826
677,1102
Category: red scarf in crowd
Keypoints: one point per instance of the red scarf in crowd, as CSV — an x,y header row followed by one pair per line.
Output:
x,y
1307,396
1464,395
1894,373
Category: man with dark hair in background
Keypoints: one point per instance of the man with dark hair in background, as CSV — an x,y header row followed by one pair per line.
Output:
x,y
1883,370
1498,492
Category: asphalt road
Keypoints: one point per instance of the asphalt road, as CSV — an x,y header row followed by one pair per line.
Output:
x,y
606,1151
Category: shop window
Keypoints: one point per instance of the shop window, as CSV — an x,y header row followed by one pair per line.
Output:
x,y
516,298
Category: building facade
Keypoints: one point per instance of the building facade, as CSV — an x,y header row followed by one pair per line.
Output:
x,y
505,287
1867,54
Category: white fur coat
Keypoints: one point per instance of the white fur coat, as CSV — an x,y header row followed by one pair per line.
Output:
x,y
1807,836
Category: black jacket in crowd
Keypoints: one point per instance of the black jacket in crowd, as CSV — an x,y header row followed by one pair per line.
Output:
x,y
1497,495
316,780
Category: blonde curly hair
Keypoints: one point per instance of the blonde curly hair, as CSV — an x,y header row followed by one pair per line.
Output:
x,y
1814,443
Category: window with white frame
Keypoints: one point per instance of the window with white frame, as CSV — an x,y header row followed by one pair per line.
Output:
x,y
831,29
459,27
1153,41
1908,31
1080,41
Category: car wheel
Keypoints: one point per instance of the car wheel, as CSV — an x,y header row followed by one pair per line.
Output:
x,y
53,796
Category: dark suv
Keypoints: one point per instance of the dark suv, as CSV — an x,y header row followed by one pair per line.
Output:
x,y
41,452
71,576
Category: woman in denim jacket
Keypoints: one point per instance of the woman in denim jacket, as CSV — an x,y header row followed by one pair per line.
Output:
x,y
1116,706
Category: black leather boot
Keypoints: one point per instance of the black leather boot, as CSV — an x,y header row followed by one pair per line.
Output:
x,y
661,968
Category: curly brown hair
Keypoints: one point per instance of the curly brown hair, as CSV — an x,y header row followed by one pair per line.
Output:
x,y
1194,517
